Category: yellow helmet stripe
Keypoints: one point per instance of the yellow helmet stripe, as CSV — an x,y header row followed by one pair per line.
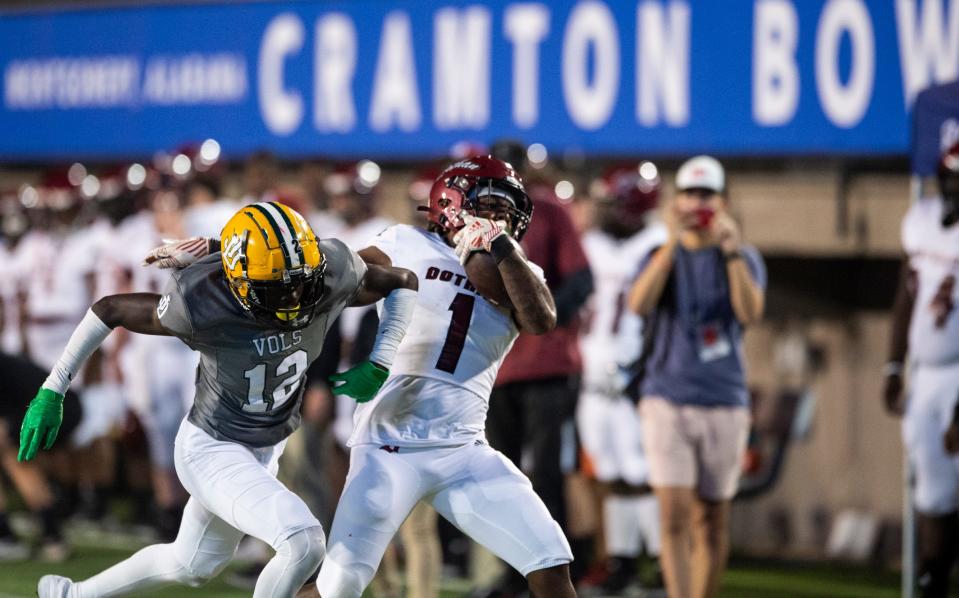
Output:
x,y
282,234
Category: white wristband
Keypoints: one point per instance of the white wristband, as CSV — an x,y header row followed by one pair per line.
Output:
x,y
89,335
394,320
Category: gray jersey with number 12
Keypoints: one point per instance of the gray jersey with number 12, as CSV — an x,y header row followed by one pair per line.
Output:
x,y
250,379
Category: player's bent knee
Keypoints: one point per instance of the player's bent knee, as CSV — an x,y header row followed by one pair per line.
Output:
x,y
203,572
337,581
195,569
305,549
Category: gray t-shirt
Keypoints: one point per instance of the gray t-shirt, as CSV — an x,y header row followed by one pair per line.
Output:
x,y
696,357
250,379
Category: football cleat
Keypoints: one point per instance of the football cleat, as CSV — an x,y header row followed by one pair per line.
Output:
x,y
273,264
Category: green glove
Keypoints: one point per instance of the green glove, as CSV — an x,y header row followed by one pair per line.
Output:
x,y
40,424
361,381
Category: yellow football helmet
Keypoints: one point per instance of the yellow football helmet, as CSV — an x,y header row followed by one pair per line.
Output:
x,y
273,264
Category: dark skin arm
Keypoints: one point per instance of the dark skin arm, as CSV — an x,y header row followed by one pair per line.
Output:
x,y
137,312
899,342
533,306
381,280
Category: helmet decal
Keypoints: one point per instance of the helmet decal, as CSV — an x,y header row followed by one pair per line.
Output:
x,y
235,249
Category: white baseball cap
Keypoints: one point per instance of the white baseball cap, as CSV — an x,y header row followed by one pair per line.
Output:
x,y
701,172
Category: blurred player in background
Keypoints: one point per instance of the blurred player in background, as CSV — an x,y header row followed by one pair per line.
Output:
x,y
607,420
697,291
925,328
422,437
532,407
13,225
159,371
20,381
257,313
56,264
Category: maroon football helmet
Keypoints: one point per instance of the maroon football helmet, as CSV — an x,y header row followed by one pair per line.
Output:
x,y
631,191
483,186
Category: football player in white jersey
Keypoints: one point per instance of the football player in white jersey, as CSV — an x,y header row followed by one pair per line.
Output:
x,y
926,327
422,437
607,420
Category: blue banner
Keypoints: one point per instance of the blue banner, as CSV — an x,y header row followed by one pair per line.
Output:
x,y
406,80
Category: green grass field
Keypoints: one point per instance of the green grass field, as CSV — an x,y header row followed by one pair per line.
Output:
x,y
746,579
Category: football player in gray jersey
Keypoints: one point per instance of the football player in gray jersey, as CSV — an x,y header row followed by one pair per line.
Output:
x,y
257,312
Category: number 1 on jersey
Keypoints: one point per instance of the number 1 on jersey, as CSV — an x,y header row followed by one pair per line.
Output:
x,y
462,308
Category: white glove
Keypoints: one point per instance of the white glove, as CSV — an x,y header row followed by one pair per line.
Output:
x,y
178,254
476,235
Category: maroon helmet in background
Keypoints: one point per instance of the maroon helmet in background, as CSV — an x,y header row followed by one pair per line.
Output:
x,y
627,196
479,185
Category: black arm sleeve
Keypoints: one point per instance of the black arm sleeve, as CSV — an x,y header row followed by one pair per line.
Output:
x,y
365,337
572,294
329,359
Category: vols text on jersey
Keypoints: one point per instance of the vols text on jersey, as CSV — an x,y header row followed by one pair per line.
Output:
x,y
277,343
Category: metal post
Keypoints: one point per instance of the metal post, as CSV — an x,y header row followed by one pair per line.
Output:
x,y
908,531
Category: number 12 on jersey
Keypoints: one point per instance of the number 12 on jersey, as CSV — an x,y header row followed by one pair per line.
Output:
x,y
293,367
462,308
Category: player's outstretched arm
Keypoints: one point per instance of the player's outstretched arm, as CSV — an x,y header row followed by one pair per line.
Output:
x,y
136,312
397,287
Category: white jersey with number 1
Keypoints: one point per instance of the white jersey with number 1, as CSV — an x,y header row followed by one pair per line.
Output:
x,y
439,386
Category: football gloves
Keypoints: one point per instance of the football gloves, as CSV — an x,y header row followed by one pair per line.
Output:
x,y
178,254
476,235
40,424
361,381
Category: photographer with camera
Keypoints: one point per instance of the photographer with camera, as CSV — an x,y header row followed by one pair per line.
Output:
x,y
697,292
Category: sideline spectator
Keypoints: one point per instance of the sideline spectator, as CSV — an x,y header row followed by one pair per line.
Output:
x,y
697,291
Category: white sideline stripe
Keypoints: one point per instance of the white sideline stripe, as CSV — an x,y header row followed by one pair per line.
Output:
x,y
285,232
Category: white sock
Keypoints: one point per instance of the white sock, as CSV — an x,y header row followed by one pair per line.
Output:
x,y
647,508
621,522
152,567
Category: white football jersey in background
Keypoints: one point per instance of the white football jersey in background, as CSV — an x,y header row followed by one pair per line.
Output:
x,y
438,390
933,253
612,335
57,272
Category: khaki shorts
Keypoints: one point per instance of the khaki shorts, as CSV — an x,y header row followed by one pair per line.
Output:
x,y
689,446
